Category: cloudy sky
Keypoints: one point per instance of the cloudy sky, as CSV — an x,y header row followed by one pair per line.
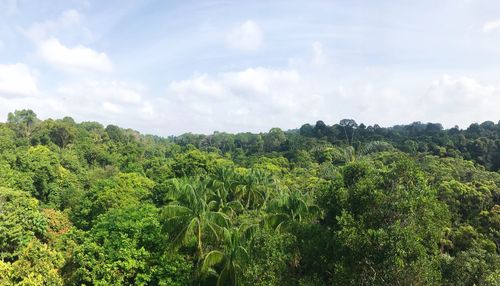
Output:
x,y
169,67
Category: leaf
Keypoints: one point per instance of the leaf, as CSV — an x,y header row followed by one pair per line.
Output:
x,y
212,258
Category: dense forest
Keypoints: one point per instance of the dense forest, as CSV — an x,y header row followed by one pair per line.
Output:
x,y
341,204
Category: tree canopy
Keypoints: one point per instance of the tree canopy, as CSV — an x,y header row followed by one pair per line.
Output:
x,y
341,204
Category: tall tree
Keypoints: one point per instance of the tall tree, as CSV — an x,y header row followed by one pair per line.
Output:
x,y
230,259
25,119
349,126
191,215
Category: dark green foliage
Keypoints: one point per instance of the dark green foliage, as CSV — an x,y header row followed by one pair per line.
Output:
x,y
272,259
118,191
388,226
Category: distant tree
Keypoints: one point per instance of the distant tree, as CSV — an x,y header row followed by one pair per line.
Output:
x,y
307,130
25,119
115,133
349,126
320,129
63,133
274,140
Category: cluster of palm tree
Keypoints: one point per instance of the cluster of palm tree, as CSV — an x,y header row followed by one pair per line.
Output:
x,y
218,215
350,153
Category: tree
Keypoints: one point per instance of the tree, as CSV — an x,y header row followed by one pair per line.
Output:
x,y
118,191
272,259
386,226
350,154
274,139
45,167
230,259
320,129
253,187
20,222
349,126
37,265
307,130
62,133
24,119
81,204
288,207
127,246
191,215
223,184
7,139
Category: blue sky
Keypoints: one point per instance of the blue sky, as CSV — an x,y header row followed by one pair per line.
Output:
x,y
169,67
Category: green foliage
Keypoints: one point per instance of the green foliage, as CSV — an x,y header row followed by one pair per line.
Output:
x,y
191,215
25,259
12,178
274,139
387,224
23,122
230,259
20,222
346,204
120,190
271,259
37,265
126,246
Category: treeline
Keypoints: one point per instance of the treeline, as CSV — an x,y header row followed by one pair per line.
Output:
x,y
346,204
479,142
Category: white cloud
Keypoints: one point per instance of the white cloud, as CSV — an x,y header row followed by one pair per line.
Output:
x,y
75,59
491,26
79,58
116,91
460,100
105,100
247,36
256,99
310,89
108,102
250,100
17,80
197,85
317,59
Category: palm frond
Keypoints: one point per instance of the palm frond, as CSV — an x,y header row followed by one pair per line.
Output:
x,y
373,147
173,210
211,259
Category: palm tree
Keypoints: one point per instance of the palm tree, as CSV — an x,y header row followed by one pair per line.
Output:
x,y
231,258
192,214
350,154
289,206
223,184
253,188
